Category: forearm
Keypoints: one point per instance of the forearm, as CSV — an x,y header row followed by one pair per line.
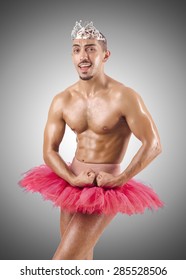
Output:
x,y
58,165
145,155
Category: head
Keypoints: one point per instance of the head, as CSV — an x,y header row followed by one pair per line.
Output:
x,y
89,50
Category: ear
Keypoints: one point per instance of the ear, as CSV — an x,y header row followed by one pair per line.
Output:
x,y
106,56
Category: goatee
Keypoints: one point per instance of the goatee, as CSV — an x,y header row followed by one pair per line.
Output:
x,y
86,78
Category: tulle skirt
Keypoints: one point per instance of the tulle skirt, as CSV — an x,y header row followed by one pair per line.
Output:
x,y
131,198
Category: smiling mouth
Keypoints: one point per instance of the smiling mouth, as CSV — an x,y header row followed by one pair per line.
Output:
x,y
84,66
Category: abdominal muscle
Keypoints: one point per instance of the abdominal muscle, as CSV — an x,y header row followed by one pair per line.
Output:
x,y
108,148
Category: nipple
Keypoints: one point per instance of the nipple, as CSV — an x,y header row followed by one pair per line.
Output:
x,y
105,128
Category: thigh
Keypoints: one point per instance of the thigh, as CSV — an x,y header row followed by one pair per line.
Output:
x,y
81,235
65,219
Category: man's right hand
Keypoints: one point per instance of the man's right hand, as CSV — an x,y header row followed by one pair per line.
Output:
x,y
85,178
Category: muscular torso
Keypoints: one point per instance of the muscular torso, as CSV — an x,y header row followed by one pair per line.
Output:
x,y
100,126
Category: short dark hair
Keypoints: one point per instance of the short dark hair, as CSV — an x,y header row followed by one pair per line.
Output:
x,y
103,43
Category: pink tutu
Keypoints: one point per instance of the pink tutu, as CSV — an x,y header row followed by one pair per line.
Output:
x,y
131,198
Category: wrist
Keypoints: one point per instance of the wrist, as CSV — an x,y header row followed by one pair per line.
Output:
x,y
72,180
122,179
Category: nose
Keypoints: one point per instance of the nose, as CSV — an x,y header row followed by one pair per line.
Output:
x,y
83,55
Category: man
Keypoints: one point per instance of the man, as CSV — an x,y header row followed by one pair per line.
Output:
x,y
103,113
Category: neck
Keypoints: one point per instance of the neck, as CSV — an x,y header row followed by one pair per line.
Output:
x,y
92,86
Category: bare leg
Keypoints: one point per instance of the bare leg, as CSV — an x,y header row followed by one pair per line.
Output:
x,y
65,219
81,235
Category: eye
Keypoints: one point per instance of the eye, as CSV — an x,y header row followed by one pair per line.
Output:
x,y
91,49
76,50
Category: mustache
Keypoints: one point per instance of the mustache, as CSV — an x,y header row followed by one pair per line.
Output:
x,y
85,61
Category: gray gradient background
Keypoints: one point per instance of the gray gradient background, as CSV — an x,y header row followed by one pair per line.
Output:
x,y
147,42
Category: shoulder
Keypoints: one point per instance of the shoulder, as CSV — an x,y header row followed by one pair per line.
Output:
x,y
59,103
124,93
128,93
131,96
127,99
132,103
62,98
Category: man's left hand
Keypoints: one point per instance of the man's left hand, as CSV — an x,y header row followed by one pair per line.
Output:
x,y
107,180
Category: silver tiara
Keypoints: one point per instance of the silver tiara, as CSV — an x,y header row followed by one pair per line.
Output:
x,y
88,31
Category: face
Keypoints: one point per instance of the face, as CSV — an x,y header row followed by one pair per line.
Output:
x,y
88,57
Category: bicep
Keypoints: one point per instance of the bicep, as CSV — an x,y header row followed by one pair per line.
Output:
x,y
54,129
140,121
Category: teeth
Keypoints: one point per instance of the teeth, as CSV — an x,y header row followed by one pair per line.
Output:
x,y
85,64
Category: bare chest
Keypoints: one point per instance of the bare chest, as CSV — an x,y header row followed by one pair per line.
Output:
x,y
97,114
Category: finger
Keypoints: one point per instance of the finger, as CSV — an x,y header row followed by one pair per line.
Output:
x,y
89,170
91,174
99,176
98,184
98,181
